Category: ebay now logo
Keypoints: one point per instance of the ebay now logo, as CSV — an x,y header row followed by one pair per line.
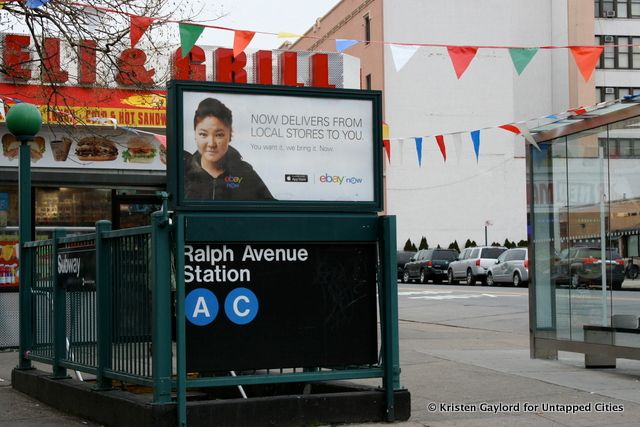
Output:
x,y
335,179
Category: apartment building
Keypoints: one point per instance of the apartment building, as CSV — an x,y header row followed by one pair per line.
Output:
x,y
454,199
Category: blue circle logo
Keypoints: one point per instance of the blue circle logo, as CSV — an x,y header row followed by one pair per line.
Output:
x,y
241,306
201,307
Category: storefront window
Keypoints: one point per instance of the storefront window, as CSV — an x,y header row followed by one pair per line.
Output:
x,y
72,207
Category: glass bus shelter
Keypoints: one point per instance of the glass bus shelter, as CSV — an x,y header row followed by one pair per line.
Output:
x,y
583,195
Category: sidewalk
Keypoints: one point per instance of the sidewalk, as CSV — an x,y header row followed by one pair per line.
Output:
x,y
464,372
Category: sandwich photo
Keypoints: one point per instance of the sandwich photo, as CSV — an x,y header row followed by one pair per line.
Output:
x,y
11,147
37,148
139,150
96,148
163,154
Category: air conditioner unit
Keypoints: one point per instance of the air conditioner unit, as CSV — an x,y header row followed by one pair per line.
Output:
x,y
609,90
609,14
608,39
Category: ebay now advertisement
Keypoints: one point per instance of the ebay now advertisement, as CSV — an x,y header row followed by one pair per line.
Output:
x,y
304,149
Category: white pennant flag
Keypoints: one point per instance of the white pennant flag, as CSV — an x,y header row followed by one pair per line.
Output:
x,y
401,55
457,145
524,131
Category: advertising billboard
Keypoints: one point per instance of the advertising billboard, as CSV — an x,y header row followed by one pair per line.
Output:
x,y
274,146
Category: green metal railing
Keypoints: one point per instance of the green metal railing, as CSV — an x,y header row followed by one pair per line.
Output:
x,y
121,328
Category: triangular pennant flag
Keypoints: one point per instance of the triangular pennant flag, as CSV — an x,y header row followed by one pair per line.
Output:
x,y
475,138
401,55
385,131
387,148
521,57
457,145
342,44
419,149
524,131
139,24
586,58
461,57
510,128
162,139
2,115
285,35
34,4
189,34
443,149
240,41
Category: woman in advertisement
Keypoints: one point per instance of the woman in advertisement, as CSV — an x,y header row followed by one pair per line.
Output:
x,y
216,171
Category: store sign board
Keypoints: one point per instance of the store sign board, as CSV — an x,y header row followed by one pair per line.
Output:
x,y
281,145
82,148
76,269
272,305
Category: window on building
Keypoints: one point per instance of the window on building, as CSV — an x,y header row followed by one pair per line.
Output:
x,y
619,52
617,8
367,82
367,29
609,93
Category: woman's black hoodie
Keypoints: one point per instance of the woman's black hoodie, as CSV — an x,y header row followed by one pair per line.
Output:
x,y
238,181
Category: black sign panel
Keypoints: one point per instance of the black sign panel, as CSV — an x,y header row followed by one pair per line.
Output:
x,y
278,305
77,269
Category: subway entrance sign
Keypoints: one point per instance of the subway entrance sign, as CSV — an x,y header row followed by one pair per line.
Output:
x,y
303,304
286,270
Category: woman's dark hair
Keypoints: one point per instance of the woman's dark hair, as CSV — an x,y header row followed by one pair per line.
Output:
x,y
212,107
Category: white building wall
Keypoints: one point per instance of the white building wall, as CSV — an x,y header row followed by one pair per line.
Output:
x,y
452,200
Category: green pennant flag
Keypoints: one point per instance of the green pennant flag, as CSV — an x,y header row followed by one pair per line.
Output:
x,y
188,36
521,57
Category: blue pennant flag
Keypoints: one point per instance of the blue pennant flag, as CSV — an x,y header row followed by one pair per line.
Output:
x,y
552,116
342,44
34,4
419,149
475,137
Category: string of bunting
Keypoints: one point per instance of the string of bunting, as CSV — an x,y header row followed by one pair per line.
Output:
x,y
585,57
518,128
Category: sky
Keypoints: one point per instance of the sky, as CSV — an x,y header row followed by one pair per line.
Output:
x,y
292,16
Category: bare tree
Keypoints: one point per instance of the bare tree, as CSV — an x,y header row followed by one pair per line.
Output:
x,y
67,38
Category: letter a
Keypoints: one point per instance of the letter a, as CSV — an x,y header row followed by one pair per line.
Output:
x,y
200,308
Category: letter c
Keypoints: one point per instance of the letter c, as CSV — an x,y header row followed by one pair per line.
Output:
x,y
241,306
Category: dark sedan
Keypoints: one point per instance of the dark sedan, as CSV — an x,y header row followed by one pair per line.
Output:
x,y
582,267
429,264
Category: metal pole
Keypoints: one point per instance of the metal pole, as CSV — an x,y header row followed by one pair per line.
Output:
x,y
485,236
59,313
161,307
391,361
103,304
25,270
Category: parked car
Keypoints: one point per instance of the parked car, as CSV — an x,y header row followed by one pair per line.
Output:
x,y
402,258
512,267
472,264
582,267
429,264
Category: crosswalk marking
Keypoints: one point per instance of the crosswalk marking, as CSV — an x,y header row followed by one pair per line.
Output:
x,y
449,295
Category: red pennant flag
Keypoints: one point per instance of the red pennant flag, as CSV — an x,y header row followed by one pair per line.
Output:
x,y
578,111
443,149
387,148
510,128
586,58
461,57
240,41
139,24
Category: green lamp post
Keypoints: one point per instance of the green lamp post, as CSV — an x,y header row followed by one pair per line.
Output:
x,y
24,122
